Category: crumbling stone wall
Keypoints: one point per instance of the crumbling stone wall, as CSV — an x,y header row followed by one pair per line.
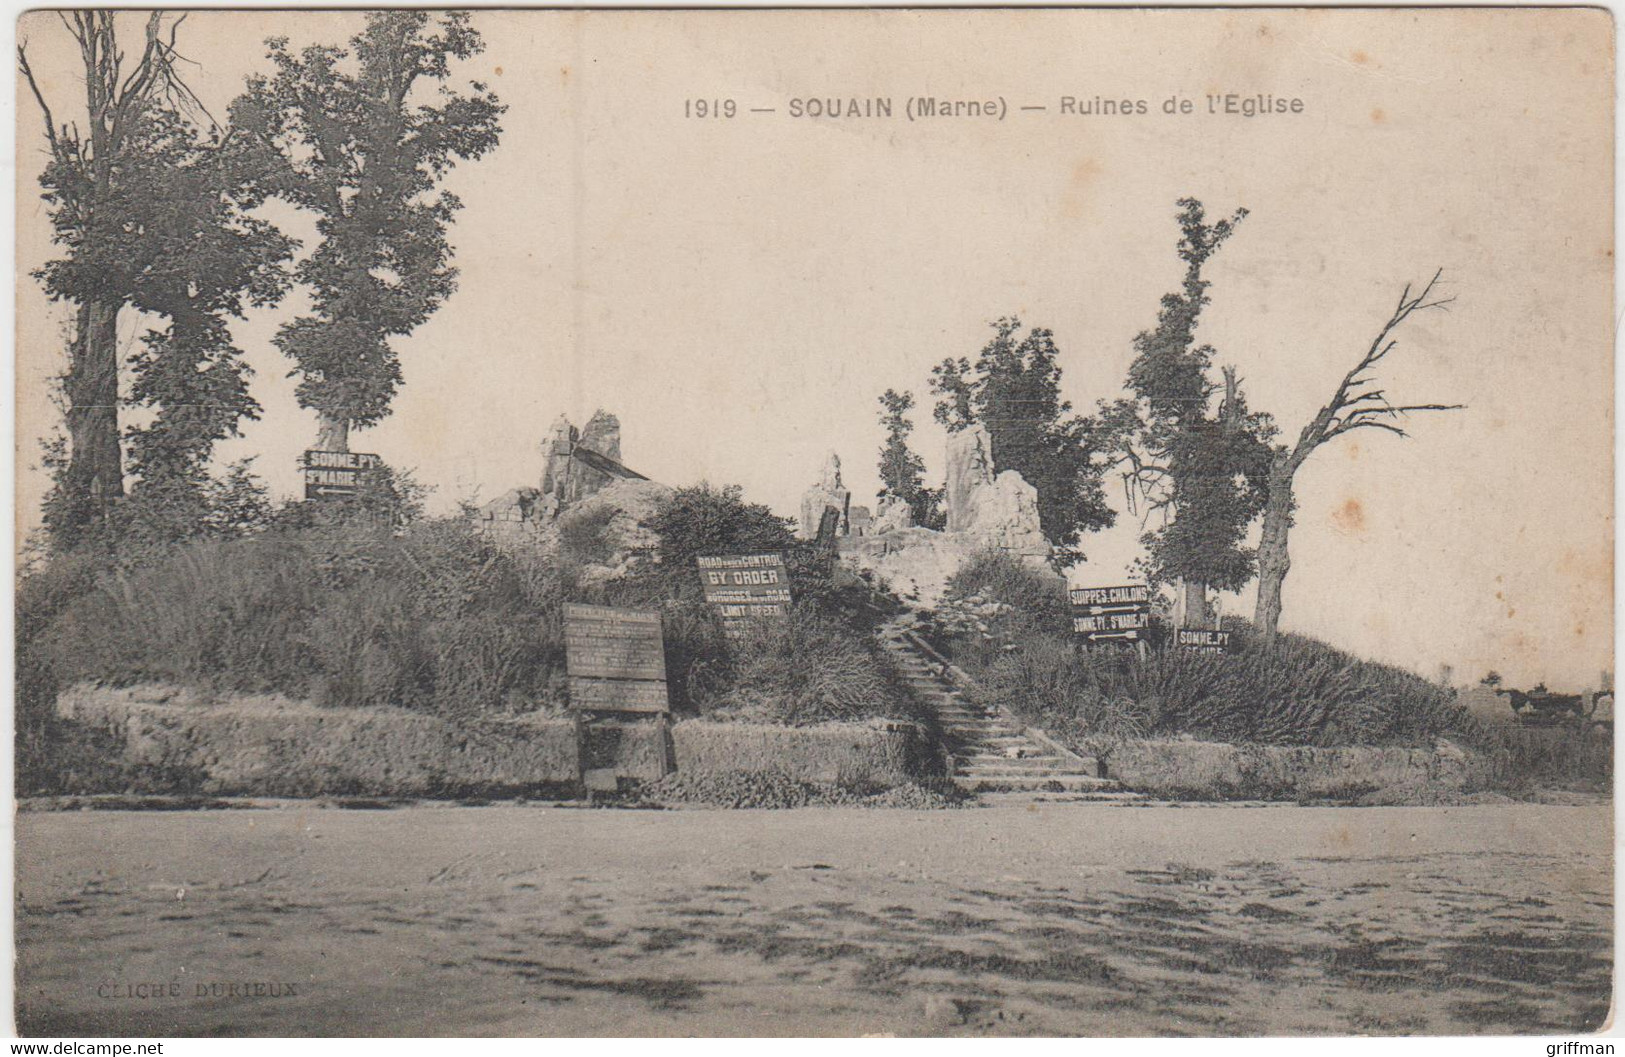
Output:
x,y
565,479
272,746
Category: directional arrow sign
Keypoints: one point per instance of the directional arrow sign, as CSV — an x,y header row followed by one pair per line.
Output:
x,y
1096,611
337,473
1111,622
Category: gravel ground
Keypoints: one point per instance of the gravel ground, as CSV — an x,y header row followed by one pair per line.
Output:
x,y
1013,918
768,789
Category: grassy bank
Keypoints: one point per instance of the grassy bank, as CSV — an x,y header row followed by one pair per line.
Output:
x,y
1008,627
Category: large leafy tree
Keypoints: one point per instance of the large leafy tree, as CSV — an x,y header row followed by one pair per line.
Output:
x,y
366,135
1013,389
150,202
902,471
1195,452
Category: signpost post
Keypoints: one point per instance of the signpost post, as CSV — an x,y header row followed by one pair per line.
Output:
x,y
336,474
745,587
616,661
1112,614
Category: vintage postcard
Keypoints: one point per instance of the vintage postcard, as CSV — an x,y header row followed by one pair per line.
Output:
x,y
814,522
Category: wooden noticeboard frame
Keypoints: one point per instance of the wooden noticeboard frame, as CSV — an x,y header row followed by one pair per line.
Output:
x,y
616,660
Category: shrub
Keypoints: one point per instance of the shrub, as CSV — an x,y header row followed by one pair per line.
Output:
x,y
584,537
1043,685
370,649
1038,598
432,619
808,668
1520,758
705,520
1299,692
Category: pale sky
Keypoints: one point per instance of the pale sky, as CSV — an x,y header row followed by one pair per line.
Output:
x,y
740,290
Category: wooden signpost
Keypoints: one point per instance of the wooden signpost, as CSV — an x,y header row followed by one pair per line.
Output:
x,y
1202,640
1112,614
616,660
336,474
745,587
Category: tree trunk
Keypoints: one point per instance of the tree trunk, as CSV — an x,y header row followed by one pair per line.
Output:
x,y
1192,607
1273,559
95,462
333,433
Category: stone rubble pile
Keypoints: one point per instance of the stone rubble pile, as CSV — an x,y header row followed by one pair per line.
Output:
x,y
986,510
574,485
828,494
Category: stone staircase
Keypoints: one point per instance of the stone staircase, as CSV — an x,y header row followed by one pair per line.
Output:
x,y
991,753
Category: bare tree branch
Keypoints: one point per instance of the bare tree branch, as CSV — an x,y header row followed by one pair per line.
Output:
x,y
1351,405
1348,427
39,97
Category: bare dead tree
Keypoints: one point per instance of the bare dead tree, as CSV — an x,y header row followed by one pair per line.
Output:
x,y
1357,403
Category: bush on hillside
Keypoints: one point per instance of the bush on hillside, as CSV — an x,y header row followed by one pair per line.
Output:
x,y
1298,692
1295,692
584,535
431,619
809,668
1570,757
703,520
706,520
1037,599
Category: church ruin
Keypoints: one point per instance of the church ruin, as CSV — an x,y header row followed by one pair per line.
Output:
x,y
986,511
577,464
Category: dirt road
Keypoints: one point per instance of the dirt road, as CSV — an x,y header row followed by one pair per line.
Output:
x,y
1047,918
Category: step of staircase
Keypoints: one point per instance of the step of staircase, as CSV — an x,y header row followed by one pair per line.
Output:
x,y
1119,797
1003,764
990,769
1038,783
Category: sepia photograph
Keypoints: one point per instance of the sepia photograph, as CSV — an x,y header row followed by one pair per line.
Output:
x,y
909,522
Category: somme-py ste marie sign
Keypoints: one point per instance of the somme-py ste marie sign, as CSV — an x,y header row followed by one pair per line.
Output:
x,y
331,474
1102,614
